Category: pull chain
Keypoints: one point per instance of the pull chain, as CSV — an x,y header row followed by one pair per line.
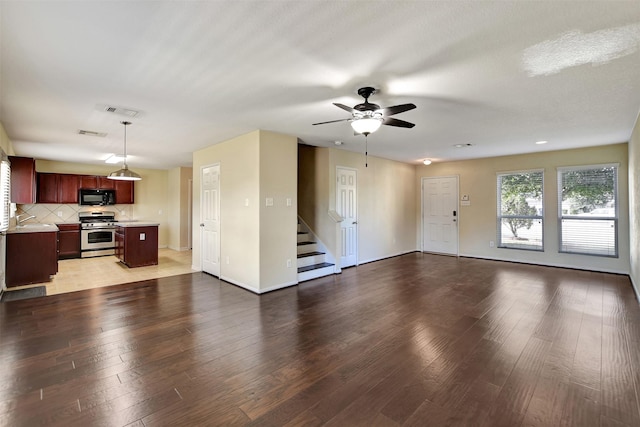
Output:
x,y
366,149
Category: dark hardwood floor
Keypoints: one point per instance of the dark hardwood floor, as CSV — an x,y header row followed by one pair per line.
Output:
x,y
420,340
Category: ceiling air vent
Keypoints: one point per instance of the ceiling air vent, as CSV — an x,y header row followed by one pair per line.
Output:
x,y
92,133
122,111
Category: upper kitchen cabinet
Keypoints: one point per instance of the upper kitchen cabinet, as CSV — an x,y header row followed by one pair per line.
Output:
x,y
88,181
58,188
124,192
23,180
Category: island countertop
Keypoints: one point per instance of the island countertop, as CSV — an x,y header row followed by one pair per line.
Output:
x,y
136,224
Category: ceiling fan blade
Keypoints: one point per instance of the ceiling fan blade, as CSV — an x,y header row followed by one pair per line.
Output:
x,y
331,121
344,107
396,109
389,121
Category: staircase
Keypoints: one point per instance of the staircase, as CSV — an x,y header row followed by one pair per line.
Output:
x,y
311,262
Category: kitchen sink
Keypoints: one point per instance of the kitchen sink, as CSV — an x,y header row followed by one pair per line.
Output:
x,y
33,225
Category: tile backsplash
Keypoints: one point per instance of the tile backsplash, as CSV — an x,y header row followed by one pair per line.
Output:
x,y
47,213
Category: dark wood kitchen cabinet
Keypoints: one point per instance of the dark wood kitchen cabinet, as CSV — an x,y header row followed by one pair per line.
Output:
x,y
137,246
47,188
124,192
58,188
31,257
23,180
68,241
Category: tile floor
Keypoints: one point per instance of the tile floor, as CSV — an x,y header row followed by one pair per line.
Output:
x,y
87,273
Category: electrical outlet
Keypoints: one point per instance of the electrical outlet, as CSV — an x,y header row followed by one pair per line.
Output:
x,y
143,236
288,263
60,214
269,201
491,244
288,201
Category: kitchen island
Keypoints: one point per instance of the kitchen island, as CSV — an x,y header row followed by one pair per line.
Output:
x,y
137,243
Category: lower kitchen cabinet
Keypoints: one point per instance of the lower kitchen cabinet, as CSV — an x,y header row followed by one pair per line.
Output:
x,y
31,257
137,246
68,241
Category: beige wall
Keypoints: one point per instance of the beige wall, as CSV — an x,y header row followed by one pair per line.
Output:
x,y
477,222
386,201
178,207
150,193
5,142
634,206
255,240
278,223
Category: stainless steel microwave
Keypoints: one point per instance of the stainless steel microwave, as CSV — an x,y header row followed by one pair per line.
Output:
x,y
96,197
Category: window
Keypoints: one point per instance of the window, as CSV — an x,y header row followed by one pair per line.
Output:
x,y
588,210
520,210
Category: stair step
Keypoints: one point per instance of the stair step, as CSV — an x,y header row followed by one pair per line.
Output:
x,y
305,247
314,267
310,254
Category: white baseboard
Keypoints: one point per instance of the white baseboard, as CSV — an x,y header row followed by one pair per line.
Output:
x,y
547,264
240,284
280,286
635,288
179,249
366,261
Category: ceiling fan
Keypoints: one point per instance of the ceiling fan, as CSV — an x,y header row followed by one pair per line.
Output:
x,y
367,118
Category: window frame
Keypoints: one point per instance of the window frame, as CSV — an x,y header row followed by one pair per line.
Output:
x,y
615,219
500,217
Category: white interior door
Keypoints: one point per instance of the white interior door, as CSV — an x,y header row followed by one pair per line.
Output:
x,y
210,219
440,215
346,207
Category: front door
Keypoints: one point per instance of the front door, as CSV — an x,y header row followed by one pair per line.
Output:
x,y
210,219
346,207
440,215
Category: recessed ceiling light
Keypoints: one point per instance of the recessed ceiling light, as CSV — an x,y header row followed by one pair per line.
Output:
x,y
426,162
115,158
462,145
541,142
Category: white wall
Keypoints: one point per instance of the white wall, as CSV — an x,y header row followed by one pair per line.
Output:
x,y
634,207
255,241
477,222
386,201
178,207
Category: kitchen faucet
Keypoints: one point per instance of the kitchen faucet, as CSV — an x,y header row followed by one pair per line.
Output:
x,y
20,221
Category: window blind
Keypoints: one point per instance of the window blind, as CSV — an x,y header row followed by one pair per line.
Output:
x,y
587,210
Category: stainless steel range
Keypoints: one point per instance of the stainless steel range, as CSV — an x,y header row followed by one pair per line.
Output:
x,y
97,233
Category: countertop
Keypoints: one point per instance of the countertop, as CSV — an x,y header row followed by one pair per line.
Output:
x,y
137,224
32,228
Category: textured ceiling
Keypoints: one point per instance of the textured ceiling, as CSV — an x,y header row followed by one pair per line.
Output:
x,y
498,75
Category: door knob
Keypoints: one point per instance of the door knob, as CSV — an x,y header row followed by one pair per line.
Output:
x,y
202,224
354,222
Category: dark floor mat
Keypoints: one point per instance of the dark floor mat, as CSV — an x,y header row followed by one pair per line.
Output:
x,y
38,291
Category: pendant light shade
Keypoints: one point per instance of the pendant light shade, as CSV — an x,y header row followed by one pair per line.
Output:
x,y
366,125
125,174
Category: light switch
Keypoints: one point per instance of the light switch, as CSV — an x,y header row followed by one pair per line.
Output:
x,y
269,201
288,201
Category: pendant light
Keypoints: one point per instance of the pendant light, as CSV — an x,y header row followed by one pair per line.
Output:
x,y
125,174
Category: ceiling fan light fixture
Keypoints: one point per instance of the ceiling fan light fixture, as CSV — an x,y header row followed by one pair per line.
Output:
x,y
366,125
125,174
426,162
